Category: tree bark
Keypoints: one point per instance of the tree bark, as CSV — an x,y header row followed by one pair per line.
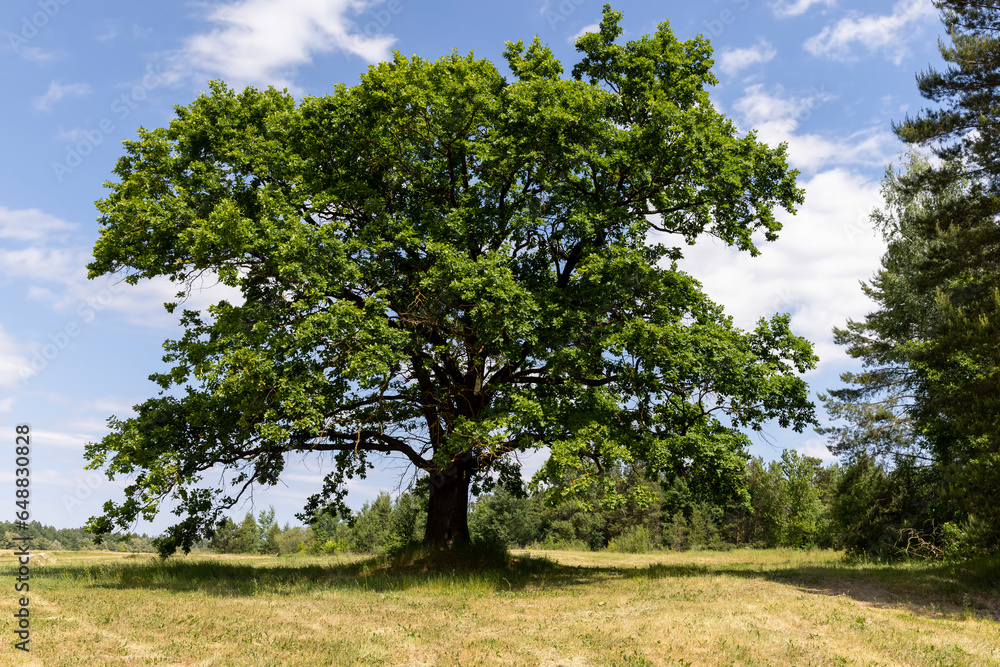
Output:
x,y
448,506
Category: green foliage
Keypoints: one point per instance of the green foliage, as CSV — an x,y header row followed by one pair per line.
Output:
x,y
895,513
50,538
803,511
691,519
633,540
295,540
384,525
703,530
371,526
505,519
573,524
251,536
900,411
933,342
761,525
788,504
449,268
247,537
675,535
269,531
223,541
406,522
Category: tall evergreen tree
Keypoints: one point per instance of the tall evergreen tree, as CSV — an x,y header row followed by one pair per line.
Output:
x,y
962,361
931,386
896,409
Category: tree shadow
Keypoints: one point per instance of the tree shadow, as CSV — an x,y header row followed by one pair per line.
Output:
x,y
970,589
942,590
245,578
945,590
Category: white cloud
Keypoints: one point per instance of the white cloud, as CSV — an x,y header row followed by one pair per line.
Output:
x,y
887,34
30,224
593,27
45,264
262,42
14,365
109,33
759,107
776,117
105,405
811,271
142,304
37,55
58,91
63,440
734,60
818,450
785,8
57,277
872,147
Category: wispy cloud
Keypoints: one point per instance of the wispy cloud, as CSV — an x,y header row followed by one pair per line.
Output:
x,y
109,33
777,116
49,264
885,33
785,8
33,54
734,60
30,224
593,27
262,42
57,277
14,364
58,91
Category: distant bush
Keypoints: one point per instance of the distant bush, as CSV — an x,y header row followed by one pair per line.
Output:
x,y
634,540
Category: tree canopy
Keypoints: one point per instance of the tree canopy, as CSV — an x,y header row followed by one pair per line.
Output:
x,y
448,267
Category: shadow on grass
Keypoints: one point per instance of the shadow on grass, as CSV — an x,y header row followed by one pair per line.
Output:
x,y
958,590
969,589
469,569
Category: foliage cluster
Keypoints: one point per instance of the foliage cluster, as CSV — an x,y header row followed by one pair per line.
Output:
x,y
788,505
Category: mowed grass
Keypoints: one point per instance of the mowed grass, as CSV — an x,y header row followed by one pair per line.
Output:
x,y
576,609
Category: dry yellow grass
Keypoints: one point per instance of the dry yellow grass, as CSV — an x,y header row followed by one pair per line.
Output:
x,y
584,609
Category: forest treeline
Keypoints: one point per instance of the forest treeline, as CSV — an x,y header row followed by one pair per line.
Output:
x,y
50,538
865,508
794,501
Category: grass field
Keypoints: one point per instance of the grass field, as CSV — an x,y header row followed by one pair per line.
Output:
x,y
548,608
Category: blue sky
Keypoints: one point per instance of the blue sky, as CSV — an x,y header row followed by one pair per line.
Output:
x,y
826,76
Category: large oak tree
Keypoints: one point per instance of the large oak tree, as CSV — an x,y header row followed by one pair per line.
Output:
x,y
449,267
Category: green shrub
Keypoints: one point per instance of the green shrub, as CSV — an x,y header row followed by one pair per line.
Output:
x,y
703,531
634,540
676,534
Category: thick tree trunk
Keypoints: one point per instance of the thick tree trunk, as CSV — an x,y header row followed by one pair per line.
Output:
x,y
448,508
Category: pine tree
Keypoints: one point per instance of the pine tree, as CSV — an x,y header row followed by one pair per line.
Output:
x,y
930,391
